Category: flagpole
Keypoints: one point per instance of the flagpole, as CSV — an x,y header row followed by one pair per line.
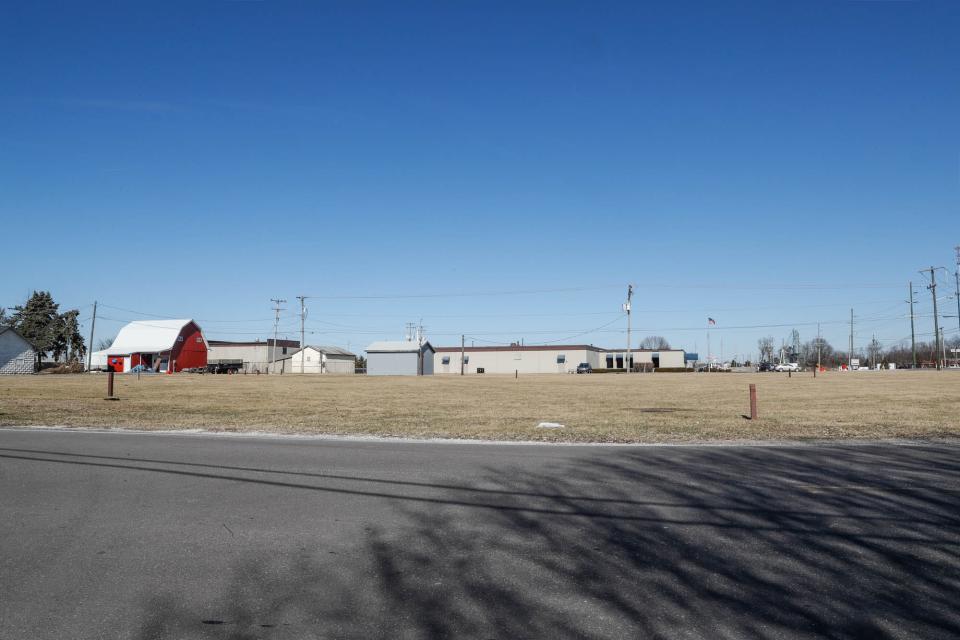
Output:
x,y
708,348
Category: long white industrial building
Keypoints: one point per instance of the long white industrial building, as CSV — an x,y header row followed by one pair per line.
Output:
x,y
550,359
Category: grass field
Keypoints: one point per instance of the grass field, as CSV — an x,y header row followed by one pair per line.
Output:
x,y
593,408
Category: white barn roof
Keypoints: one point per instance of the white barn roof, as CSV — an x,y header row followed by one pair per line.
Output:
x,y
396,346
147,336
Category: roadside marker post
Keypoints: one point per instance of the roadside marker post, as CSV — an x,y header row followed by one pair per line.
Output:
x,y
753,402
110,395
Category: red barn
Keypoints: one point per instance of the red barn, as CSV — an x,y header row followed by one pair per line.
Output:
x,y
160,345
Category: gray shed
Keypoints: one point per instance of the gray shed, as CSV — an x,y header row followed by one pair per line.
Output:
x,y
399,358
17,355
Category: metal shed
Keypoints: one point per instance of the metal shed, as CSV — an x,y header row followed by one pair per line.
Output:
x,y
399,358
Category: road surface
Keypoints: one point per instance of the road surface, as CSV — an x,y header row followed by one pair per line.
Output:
x,y
124,535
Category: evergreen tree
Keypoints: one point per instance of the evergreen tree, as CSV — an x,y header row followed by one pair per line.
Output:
x,y
39,320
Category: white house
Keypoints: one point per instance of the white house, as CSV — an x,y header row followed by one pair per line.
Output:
x,y
17,355
321,359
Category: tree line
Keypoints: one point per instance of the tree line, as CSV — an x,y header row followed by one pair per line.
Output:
x,y
873,353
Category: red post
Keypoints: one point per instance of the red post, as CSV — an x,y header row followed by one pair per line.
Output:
x,y
753,402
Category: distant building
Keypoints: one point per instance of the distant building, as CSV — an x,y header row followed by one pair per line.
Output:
x,y
551,358
161,345
17,355
321,359
400,358
257,356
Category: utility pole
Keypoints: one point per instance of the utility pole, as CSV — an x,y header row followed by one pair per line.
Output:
x,y
850,357
276,323
93,325
943,345
936,321
420,348
956,275
913,335
303,317
626,307
463,342
819,343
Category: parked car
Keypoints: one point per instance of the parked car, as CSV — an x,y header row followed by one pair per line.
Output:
x,y
584,367
765,366
787,366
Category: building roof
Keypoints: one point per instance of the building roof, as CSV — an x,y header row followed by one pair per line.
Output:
x,y
330,351
4,329
254,343
549,347
637,350
147,336
526,347
396,346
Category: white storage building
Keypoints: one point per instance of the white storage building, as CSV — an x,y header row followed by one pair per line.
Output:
x,y
321,359
17,355
523,359
400,358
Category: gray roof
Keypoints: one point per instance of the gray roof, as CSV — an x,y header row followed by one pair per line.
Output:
x,y
327,349
396,346
5,328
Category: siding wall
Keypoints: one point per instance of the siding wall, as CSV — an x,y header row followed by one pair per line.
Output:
x,y
511,361
669,359
312,360
255,357
544,361
16,354
341,364
392,364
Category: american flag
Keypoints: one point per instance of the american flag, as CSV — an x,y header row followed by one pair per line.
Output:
x,y
711,321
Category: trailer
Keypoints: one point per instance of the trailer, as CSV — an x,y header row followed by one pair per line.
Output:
x,y
224,366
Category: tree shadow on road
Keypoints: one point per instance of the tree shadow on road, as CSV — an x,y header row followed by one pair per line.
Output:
x,y
825,542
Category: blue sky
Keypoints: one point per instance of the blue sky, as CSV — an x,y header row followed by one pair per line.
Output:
x,y
761,163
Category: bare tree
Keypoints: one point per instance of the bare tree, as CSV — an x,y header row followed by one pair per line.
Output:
x,y
765,345
654,342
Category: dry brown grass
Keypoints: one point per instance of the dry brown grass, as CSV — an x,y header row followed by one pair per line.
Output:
x,y
597,408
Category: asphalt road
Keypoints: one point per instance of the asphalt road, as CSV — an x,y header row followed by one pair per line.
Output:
x,y
184,536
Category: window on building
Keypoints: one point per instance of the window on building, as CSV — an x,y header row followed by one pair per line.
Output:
x,y
179,338
466,359
445,360
284,351
199,339
561,358
609,362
